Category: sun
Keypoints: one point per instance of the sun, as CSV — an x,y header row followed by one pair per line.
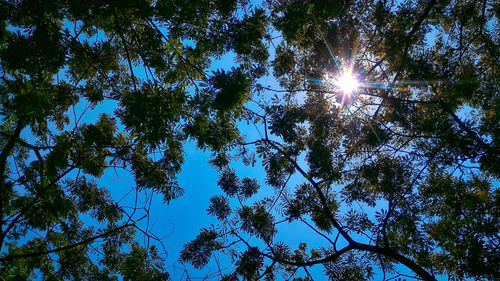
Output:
x,y
347,82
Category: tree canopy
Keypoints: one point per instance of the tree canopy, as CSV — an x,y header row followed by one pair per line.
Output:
x,y
397,174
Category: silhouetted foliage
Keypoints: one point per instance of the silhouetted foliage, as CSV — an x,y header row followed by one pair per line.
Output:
x,y
402,171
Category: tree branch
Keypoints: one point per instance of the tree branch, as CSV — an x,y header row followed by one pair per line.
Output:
x,y
25,144
120,33
330,258
6,151
396,256
322,197
83,242
9,146
22,212
464,127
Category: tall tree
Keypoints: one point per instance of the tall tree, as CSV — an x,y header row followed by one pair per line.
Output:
x,y
399,171
388,113
136,61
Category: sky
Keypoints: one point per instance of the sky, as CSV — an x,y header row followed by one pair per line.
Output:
x,y
180,221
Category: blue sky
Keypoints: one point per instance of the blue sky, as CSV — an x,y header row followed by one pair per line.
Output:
x,y
181,219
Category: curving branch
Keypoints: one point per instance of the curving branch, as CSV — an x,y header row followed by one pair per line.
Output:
x,y
83,242
316,186
352,245
397,257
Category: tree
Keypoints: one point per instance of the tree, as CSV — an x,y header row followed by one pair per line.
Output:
x,y
136,58
401,173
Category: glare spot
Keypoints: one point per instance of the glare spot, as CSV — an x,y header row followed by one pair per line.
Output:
x,y
347,82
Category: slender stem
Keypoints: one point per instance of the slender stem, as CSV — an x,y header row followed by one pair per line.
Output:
x,y
126,50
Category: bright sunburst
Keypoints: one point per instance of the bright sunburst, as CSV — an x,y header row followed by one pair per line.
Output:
x,y
347,82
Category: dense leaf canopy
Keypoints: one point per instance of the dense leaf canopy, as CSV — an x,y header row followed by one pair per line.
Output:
x,y
398,179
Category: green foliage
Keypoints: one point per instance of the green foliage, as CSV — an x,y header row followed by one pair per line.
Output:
x,y
249,264
256,220
285,122
131,65
306,202
98,201
466,212
199,251
249,187
231,89
141,264
229,182
164,110
403,172
246,36
349,267
219,207
214,135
